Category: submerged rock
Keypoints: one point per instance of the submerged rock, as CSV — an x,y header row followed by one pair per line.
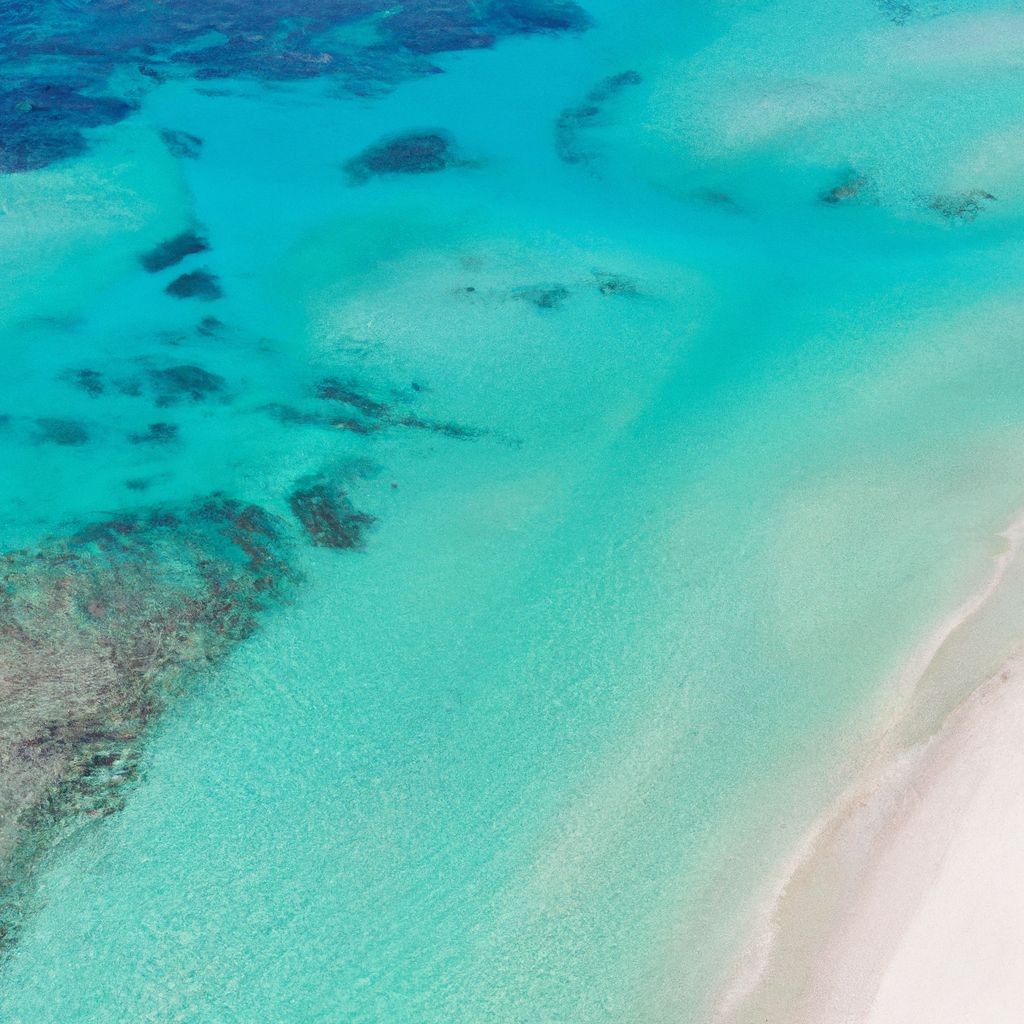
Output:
x,y
173,251
69,433
411,153
186,382
199,284
328,517
101,628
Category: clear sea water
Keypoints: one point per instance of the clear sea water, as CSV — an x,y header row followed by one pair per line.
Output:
x,y
530,755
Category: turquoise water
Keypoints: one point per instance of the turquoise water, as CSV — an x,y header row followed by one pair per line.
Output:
x,y
530,754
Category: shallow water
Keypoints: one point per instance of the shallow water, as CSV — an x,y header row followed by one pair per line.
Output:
x,y
678,461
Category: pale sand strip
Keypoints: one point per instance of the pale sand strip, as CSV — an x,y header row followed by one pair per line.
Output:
x,y
905,904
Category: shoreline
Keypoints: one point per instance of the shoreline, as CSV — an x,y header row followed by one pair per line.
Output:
x,y
867,915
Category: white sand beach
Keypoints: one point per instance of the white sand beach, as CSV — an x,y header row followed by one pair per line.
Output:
x,y
905,904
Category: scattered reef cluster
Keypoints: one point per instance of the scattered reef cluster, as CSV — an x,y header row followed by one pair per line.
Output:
x,y
856,188
104,625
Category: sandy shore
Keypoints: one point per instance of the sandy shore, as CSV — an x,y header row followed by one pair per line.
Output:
x,y
905,904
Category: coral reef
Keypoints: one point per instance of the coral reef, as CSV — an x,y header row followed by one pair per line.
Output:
x,y
101,628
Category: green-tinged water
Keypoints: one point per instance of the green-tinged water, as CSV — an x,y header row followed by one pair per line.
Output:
x,y
721,453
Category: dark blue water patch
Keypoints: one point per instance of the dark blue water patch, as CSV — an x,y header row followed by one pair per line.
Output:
x,y
575,120
173,251
199,284
42,121
408,153
436,26
47,105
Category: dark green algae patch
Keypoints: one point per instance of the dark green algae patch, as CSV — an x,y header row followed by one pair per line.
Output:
x,y
101,629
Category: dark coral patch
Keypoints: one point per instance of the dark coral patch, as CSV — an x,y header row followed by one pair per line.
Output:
x,y
899,12
543,296
182,144
850,188
210,326
185,382
615,284
328,517
573,121
436,427
155,433
961,206
199,284
411,153
334,390
69,433
174,250
371,414
89,381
